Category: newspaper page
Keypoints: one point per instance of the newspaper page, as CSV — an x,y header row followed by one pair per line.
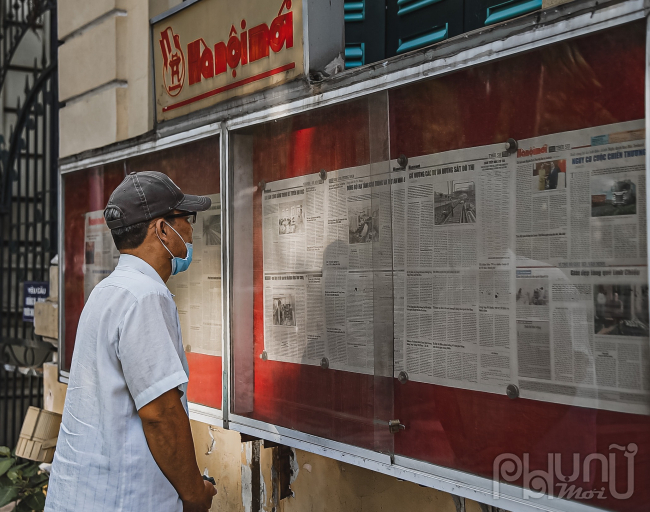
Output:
x,y
197,291
293,227
582,282
327,246
457,325
100,254
528,269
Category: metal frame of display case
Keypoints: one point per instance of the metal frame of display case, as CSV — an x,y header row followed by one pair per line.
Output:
x,y
539,29
123,152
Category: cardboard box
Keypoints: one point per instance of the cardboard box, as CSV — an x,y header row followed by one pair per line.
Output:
x,y
38,436
53,390
54,283
46,319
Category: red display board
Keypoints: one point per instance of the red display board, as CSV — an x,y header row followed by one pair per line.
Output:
x,y
591,81
194,168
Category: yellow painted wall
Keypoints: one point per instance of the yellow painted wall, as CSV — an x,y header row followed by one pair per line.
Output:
x,y
104,73
322,484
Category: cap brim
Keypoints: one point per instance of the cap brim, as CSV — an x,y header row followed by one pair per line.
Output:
x,y
194,203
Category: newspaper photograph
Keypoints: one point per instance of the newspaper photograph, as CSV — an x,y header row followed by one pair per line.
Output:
x,y
197,291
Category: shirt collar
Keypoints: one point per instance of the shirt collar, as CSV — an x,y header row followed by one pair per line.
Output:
x,y
139,265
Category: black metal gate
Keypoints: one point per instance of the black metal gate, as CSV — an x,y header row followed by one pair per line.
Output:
x,y
28,206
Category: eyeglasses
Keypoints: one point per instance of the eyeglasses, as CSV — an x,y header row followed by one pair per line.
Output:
x,y
190,216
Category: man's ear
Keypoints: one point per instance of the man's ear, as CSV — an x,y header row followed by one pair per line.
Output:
x,y
159,226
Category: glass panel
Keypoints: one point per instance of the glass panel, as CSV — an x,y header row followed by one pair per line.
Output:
x,y
90,254
525,270
312,273
85,196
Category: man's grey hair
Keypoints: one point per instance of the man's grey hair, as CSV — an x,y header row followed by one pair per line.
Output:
x,y
128,237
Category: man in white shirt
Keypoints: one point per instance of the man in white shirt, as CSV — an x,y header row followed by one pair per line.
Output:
x,y
125,443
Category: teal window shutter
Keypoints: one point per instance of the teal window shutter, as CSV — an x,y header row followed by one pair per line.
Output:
x,y
407,6
433,36
354,55
511,9
354,11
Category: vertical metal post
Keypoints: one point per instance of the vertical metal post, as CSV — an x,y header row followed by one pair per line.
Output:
x,y
226,282
23,409
5,404
61,230
23,203
36,274
17,240
14,403
54,133
44,188
647,131
31,389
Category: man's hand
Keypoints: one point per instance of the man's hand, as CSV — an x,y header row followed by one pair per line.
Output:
x,y
202,503
167,429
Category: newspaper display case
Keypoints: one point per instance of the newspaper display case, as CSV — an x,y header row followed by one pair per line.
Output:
x,y
517,257
436,267
312,280
90,254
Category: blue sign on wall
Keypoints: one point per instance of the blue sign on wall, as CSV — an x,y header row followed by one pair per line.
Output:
x,y
33,292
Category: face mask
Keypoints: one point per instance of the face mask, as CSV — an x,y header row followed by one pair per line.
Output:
x,y
179,264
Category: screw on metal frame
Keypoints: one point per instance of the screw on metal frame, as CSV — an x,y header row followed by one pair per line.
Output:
x,y
512,391
511,146
324,363
264,356
403,377
394,426
402,161
323,174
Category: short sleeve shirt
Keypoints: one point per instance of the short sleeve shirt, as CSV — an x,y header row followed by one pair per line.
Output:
x,y
128,351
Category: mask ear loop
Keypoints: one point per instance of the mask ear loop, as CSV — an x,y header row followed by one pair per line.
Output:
x,y
162,243
179,236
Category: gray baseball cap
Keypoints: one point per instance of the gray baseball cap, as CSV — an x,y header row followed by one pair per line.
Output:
x,y
147,195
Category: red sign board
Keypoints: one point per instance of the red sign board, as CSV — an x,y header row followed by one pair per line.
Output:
x,y
213,51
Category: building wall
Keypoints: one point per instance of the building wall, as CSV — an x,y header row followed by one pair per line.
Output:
x,y
321,484
104,72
